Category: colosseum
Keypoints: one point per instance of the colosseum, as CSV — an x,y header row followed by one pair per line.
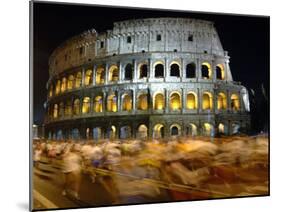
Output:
x,y
145,78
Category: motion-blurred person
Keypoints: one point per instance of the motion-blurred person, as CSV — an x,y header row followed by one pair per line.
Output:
x,y
72,172
37,155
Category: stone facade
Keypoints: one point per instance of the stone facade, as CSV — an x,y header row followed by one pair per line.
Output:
x,y
144,78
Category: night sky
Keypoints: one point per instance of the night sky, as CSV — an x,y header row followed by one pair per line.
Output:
x,y
246,38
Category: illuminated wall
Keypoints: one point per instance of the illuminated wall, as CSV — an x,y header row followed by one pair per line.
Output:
x,y
159,102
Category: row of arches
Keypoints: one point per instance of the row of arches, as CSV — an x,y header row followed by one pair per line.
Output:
x,y
73,81
99,103
142,131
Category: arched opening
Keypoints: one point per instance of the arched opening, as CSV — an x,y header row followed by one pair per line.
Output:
x,y
235,127
191,130
126,102
76,107
61,109
128,72
60,135
86,105
206,70
63,84
191,101
208,130
158,131
70,82
100,76
235,103
142,131
68,108
159,102
51,91
125,132
159,70
143,70
175,130
55,111
190,70
112,103
175,102
88,133
75,134
175,70
113,73
98,107
221,128
220,72
88,77
58,85
97,133
207,103
221,101
142,102
111,134
78,80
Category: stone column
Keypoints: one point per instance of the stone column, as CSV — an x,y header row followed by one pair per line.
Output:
x,y
83,77
106,73
135,71
120,72
94,74
183,100
150,68
182,70
213,65
198,69
166,70
134,102
166,95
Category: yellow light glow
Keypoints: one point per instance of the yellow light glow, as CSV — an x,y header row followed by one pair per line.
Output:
x,y
112,103
207,102
88,77
113,73
142,102
86,105
235,103
63,84
100,76
78,80
222,71
127,103
159,102
98,104
191,101
209,69
221,101
70,82
221,128
58,87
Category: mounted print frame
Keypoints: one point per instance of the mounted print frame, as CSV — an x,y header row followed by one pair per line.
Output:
x,y
137,105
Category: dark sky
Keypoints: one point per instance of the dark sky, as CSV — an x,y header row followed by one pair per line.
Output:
x,y
246,38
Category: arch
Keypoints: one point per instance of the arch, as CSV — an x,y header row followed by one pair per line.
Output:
x,y
51,91
60,135
159,101
113,73
112,103
235,128
75,134
128,75
68,108
235,102
127,102
174,69
100,75
220,72
111,133
158,131
55,111
58,85
175,130
221,101
142,131
78,80
208,129
125,132
143,70
207,101
142,102
70,82
175,101
190,70
191,101
76,107
88,77
221,128
97,133
86,105
191,129
158,70
206,70
61,109
63,84
98,104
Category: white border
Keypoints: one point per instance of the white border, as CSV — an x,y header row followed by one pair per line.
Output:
x,y
15,93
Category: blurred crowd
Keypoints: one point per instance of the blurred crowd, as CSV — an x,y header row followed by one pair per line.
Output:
x,y
132,171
